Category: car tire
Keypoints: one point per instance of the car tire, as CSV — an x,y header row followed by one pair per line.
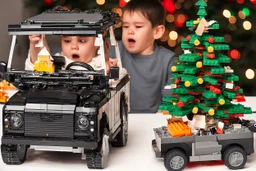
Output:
x,y
175,160
234,158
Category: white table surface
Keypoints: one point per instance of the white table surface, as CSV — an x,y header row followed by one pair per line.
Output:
x,y
136,156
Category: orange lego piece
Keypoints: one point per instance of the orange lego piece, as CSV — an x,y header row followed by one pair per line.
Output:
x,y
5,85
178,129
3,97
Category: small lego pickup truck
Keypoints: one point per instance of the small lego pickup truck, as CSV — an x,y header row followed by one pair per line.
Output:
x,y
69,110
232,147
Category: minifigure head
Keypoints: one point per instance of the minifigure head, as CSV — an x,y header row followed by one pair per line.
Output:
x,y
79,48
143,23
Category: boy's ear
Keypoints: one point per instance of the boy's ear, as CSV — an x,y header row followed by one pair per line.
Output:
x,y
159,31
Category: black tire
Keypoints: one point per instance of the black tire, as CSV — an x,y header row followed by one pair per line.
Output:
x,y
122,137
175,160
234,158
98,159
14,154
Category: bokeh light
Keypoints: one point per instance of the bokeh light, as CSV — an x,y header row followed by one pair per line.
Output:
x,y
241,15
173,35
250,74
226,13
169,18
247,25
100,2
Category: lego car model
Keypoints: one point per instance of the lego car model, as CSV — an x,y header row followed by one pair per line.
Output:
x,y
69,110
232,147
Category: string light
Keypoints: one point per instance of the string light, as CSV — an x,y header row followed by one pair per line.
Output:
x,y
247,25
241,15
232,20
169,18
100,2
226,13
250,74
173,35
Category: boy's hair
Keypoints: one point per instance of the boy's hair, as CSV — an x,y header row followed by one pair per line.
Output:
x,y
153,10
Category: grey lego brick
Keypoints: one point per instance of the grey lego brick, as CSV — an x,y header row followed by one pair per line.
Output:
x,y
37,106
14,107
205,138
242,135
85,109
207,147
205,158
61,107
55,32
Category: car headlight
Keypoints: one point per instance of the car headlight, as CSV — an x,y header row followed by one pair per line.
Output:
x,y
16,120
82,122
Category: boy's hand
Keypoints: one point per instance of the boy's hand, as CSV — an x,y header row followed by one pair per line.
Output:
x,y
113,62
34,39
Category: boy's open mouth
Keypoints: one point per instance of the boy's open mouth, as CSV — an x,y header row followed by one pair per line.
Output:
x,y
75,56
131,42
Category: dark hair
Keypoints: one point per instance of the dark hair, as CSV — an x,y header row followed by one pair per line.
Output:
x,y
153,10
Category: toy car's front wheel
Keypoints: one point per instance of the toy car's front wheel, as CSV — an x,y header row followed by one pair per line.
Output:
x,y
122,137
234,158
14,154
175,160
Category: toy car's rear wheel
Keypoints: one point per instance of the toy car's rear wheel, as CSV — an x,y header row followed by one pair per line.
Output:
x,y
14,154
234,158
122,137
175,160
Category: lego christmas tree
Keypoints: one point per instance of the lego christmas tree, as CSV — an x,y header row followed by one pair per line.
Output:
x,y
202,81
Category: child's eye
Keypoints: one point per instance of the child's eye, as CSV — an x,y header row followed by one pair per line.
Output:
x,y
82,41
138,26
67,41
125,26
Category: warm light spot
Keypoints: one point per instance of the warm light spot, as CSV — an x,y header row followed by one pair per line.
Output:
x,y
100,2
174,68
126,0
211,112
240,1
200,81
247,25
169,18
181,18
165,37
221,101
227,38
226,13
173,35
232,20
177,5
250,74
232,27
171,43
187,83
241,15
195,110
180,1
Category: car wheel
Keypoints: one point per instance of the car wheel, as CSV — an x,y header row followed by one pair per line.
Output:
x,y
234,158
14,154
175,160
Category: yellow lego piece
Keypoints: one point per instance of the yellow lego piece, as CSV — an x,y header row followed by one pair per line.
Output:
x,y
44,63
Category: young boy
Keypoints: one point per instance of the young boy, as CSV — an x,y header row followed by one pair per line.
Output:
x,y
147,64
74,48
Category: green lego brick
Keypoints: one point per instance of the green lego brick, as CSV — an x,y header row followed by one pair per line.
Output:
x,y
204,108
231,77
220,114
175,75
201,3
190,23
210,62
186,45
230,95
247,110
179,67
210,102
222,58
209,95
180,91
169,99
190,70
210,80
235,109
201,12
217,70
186,98
217,39
240,90
194,37
220,47
189,57
214,26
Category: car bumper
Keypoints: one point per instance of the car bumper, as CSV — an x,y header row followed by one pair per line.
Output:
x,y
50,142
156,149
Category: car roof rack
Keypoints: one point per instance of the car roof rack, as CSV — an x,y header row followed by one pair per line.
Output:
x,y
59,21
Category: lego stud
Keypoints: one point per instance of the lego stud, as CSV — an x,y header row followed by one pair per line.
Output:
x,y
174,69
200,81
211,112
187,84
197,42
195,110
196,21
210,49
221,101
199,64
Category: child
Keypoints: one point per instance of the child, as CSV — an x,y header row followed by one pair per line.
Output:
x,y
147,64
74,48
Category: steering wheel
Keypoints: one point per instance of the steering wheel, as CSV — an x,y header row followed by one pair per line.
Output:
x,y
81,64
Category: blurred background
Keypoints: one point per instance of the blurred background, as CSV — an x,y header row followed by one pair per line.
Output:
x,y
234,16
